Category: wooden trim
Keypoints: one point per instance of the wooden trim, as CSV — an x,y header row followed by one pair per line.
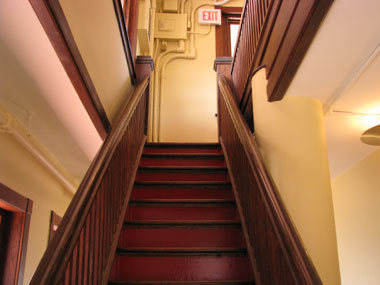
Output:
x,y
300,265
25,237
53,20
126,41
22,208
11,200
120,223
222,60
55,220
144,66
242,217
222,32
53,264
301,31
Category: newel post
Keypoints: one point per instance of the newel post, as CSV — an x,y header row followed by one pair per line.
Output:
x,y
222,66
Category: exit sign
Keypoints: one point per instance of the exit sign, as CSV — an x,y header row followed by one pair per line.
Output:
x,y
210,16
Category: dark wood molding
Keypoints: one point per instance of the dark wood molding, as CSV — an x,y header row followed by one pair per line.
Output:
x,y
250,249
271,232
301,30
20,210
53,20
222,32
88,226
126,41
55,220
144,66
222,60
120,223
274,34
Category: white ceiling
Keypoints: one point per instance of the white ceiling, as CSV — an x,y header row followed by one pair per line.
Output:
x,y
341,69
35,88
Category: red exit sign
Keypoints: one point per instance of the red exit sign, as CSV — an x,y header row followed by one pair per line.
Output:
x,y
210,16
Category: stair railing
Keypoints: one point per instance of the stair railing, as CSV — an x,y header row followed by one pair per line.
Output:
x,y
275,249
275,34
83,248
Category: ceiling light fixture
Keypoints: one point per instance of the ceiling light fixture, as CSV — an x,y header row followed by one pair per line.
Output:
x,y
372,135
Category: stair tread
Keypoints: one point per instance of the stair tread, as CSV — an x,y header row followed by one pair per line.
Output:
x,y
175,144
181,250
232,282
183,202
181,223
180,167
226,182
185,154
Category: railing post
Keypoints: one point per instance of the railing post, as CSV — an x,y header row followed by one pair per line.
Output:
x,y
222,66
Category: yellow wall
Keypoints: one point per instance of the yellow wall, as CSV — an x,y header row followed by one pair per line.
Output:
x,y
23,174
189,98
291,136
356,195
96,32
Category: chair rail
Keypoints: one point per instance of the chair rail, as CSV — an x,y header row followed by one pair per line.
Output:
x,y
83,247
278,254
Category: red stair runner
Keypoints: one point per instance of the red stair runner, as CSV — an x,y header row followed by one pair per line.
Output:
x,y
182,225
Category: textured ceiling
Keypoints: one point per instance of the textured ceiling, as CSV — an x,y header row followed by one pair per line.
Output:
x,y
341,69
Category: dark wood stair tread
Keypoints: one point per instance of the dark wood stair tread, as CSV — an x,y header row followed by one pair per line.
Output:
x,y
183,168
232,282
179,223
184,202
168,251
184,183
185,155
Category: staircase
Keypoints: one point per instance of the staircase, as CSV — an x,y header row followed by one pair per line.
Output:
x,y
182,225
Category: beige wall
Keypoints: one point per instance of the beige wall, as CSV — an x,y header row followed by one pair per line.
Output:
x,y
96,32
290,134
356,195
188,103
23,174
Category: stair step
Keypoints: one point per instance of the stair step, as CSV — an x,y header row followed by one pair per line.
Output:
x,y
182,174
181,251
169,236
181,282
182,148
183,202
181,192
203,212
185,184
187,159
182,268
183,224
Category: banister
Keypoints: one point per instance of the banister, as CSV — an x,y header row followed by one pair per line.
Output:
x,y
275,34
88,218
288,262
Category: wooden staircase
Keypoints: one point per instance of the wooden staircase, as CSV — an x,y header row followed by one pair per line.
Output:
x,y
182,225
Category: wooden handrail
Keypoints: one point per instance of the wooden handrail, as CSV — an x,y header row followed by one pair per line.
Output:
x,y
83,247
278,254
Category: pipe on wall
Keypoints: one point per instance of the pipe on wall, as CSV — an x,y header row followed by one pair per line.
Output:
x,y
8,124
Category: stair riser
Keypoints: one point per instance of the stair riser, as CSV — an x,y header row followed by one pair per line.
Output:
x,y
181,176
179,150
181,237
181,162
151,213
181,268
181,194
